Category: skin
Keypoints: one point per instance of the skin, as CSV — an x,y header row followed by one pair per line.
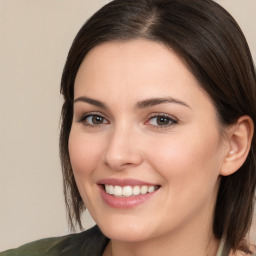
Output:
x,y
184,156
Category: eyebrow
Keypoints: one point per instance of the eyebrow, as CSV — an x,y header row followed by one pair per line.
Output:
x,y
140,105
91,101
156,101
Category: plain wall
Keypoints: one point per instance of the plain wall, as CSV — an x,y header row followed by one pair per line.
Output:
x,y
35,36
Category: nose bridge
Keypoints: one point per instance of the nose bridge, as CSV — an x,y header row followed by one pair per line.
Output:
x,y
122,150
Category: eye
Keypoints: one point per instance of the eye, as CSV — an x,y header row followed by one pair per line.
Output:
x,y
93,120
162,120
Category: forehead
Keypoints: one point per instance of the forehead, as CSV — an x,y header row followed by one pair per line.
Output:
x,y
136,53
135,69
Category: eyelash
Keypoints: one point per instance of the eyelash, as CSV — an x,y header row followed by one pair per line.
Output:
x,y
83,118
171,121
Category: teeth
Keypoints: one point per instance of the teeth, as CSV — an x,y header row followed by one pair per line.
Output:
x,y
109,189
136,190
128,191
144,190
118,191
151,189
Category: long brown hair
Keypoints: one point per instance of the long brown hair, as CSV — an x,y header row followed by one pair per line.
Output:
x,y
216,52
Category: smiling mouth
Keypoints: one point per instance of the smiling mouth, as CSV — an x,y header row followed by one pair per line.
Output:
x,y
128,191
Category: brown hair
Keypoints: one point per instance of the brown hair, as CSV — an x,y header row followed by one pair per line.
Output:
x,y
216,52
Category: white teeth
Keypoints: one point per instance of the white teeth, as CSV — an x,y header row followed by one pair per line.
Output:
x,y
151,189
136,190
128,191
118,191
111,190
107,188
144,190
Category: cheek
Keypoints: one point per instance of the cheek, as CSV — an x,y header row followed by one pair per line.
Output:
x,y
189,158
189,168
84,153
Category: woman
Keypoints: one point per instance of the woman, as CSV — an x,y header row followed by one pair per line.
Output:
x,y
157,137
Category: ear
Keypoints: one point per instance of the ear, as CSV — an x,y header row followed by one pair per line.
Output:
x,y
239,137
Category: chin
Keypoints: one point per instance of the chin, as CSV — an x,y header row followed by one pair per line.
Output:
x,y
125,233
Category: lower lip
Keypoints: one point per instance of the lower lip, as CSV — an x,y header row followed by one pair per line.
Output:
x,y
125,202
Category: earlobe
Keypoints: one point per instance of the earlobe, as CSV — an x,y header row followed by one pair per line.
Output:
x,y
240,137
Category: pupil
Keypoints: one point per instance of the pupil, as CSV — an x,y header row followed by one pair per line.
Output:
x,y
97,120
162,121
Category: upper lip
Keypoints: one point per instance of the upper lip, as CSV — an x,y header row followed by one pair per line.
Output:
x,y
124,182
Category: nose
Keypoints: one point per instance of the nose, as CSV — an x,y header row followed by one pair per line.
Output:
x,y
122,150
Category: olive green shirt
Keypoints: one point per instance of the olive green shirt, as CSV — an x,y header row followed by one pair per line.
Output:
x,y
88,243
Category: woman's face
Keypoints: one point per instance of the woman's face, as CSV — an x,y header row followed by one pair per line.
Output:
x,y
144,130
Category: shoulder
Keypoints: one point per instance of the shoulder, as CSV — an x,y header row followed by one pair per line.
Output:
x,y
89,242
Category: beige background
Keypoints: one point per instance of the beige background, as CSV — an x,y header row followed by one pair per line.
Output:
x,y
35,36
